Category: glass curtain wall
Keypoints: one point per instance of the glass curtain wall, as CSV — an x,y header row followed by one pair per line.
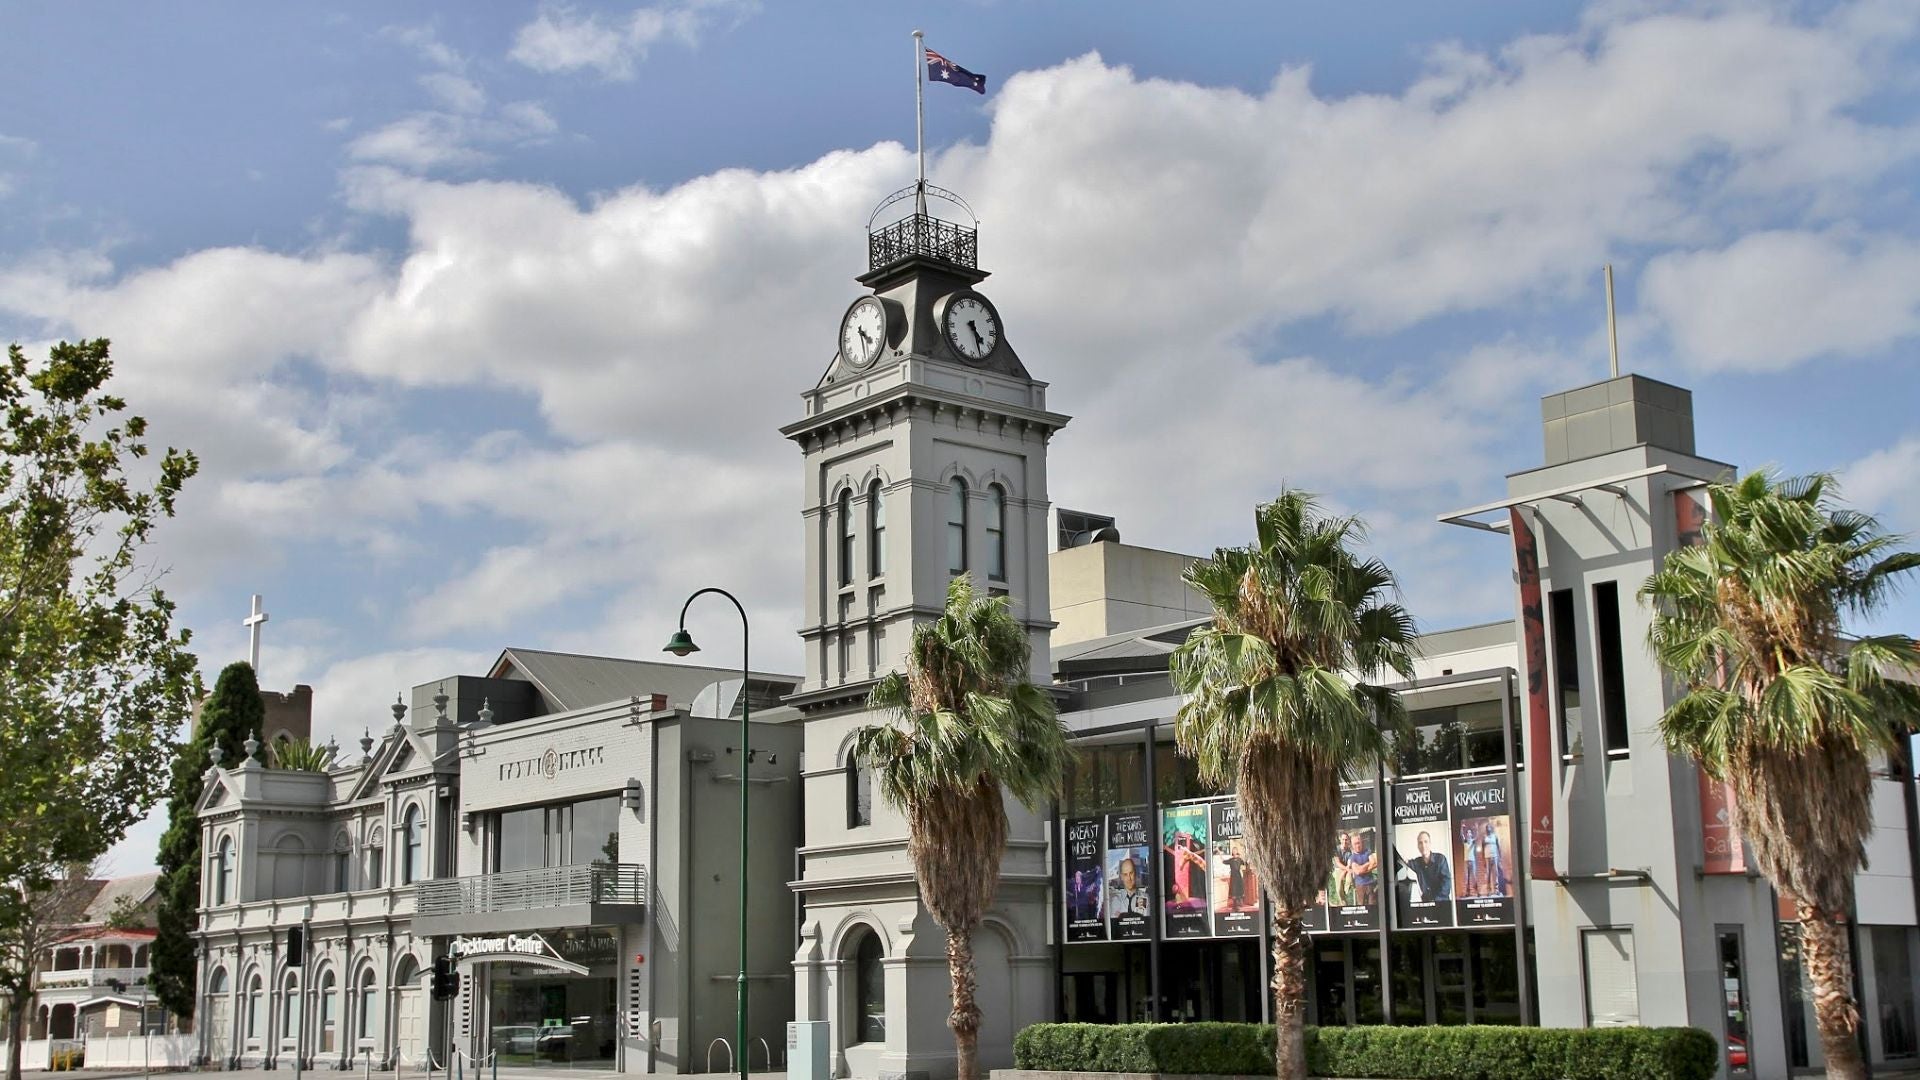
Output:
x,y
563,834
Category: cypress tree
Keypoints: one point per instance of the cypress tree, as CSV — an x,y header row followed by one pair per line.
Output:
x,y
232,714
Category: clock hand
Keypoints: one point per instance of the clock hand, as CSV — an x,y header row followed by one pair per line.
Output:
x,y
864,339
977,339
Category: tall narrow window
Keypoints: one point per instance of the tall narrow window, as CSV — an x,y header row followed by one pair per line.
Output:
x,y
876,531
290,1007
329,1014
846,537
256,1010
413,861
870,979
996,533
957,527
369,1005
223,872
859,793
376,857
1613,667
1566,668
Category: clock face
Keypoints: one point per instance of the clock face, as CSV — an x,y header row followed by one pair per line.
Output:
x,y
863,332
972,328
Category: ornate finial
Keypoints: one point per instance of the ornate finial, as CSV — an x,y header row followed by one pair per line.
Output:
x,y
252,744
440,700
486,711
399,711
366,744
215,753
333,748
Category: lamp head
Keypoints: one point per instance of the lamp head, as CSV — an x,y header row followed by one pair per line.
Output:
x,y
681,644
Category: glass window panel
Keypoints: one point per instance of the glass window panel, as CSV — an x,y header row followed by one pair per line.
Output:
x,y
519,841
870,975
957,526
596,830
876,531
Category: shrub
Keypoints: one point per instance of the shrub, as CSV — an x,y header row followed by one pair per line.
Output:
x,y
1399,1053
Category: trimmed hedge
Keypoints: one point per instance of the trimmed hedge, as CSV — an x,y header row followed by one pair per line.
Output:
x,y
1400,1053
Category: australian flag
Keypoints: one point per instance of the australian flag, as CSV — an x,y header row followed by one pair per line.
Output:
x,y
941,69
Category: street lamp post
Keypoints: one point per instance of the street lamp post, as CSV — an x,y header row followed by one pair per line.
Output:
x,y
681,644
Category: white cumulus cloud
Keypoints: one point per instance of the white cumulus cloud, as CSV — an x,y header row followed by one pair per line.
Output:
x,y
564,39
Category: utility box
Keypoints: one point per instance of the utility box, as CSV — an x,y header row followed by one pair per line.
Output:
x,y
808,1051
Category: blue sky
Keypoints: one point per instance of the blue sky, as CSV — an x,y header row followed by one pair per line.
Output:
x,y
482,317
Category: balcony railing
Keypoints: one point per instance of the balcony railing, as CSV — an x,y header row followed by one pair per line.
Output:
x,y
528,890
90,976
922,234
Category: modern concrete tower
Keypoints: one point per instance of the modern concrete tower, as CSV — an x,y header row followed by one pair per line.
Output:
x,y
925,456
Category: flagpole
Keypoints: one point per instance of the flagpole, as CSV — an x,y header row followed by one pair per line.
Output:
x,y
920,120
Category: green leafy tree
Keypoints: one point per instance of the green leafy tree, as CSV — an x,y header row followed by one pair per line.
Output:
x,y
1280,704
1783,707
969,729
30,922
229,717
93,675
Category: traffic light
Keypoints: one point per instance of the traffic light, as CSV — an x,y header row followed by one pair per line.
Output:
x,y
296,947
446,984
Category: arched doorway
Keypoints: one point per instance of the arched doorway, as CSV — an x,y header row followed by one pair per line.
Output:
x,y
219,1017
61,1022
410,1015
863,1000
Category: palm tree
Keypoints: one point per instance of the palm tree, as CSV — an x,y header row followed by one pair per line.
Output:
x,y
968,725
1279,705
301,755
1783,707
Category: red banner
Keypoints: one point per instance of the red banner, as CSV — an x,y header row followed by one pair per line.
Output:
x,y
1720,843
1533,644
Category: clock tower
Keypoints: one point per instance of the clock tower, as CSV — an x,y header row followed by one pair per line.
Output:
x,y
924,446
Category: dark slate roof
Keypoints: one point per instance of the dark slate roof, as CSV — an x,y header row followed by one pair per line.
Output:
x,y
569,681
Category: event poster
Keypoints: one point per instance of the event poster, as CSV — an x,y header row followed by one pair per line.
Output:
x,y
1184,833
1236,888
1129,896
1351,901
1086,858
1483,851
1422,858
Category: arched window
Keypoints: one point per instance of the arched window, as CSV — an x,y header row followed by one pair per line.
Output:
x,y
223,872
876,531
376,856
859,793
996,533
369,1005
256,1009
342,863
290,1006
329,1014
846,537
413,863
957,526
217,984
870,990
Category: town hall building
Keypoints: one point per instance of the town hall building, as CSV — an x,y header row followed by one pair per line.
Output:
x,y
562,827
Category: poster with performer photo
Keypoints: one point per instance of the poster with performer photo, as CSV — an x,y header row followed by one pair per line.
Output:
x,y
1184,834
1351,900
1235,887
1482,827
1084,890
1422,857
1129,876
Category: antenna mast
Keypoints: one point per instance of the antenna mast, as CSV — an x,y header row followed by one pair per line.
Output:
x,y
1613,334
